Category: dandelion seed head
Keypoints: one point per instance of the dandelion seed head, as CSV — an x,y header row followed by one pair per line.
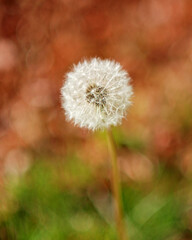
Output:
x,y
96,94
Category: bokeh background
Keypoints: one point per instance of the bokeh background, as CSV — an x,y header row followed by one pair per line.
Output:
x,y
54,177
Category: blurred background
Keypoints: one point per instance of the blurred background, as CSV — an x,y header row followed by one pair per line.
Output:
x,y
54,177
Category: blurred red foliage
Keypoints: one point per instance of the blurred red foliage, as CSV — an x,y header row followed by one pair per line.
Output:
x,y
40,40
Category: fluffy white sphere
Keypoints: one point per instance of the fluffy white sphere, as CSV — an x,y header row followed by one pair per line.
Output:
x,y
96,94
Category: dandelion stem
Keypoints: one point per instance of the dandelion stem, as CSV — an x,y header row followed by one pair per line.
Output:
x,y
116,187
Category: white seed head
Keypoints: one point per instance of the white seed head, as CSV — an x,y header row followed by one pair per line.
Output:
x,y
96,94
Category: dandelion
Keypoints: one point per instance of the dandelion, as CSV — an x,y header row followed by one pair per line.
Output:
x,y
96,95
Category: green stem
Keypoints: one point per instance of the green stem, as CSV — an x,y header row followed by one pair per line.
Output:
x,y
116,187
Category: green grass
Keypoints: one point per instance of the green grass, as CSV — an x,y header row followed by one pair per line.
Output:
x,y
52,202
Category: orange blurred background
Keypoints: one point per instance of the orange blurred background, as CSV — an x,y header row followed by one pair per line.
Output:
x,y
39,42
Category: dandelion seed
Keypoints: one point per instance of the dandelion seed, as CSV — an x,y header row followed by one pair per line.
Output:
x,y
96,94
